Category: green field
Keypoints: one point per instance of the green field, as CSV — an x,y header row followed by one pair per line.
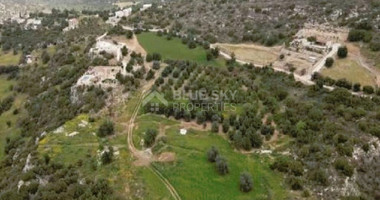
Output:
x,y
195,178
7,58
155,189
174,49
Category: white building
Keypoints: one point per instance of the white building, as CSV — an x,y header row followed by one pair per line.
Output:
x,y
123,13
118,15
33,24
145,6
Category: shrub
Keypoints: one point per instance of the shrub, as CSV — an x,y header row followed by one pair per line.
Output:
x,y
344,84
221,165
129,34
212,154
124,51
246,182
368,89
295,183
342,52
343,166
107,156
156,65
226,126
256,140
149,57
150,137
312,39
105,129
375,45
329,62
45,57
356,87
215,127
319,176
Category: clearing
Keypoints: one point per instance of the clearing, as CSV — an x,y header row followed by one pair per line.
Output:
x,y
252,53
351,70
174,49
8,58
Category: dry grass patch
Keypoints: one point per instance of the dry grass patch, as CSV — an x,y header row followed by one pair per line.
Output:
x,y
124,4
252,53
8,58
351,70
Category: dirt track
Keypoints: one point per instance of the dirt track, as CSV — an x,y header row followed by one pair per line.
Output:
x,y
144,158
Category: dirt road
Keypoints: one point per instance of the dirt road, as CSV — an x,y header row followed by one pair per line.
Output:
x,y
320,64
145,157
303,79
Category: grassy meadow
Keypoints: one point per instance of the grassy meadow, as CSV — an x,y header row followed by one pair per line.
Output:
x,y
8,58
195,178
174,49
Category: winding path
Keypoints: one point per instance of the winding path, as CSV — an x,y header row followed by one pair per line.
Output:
x,y
144,157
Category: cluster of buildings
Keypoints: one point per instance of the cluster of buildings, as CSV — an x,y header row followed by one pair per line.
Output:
x,y
118,15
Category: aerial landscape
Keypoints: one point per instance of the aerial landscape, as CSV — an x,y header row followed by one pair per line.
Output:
x,y
190,99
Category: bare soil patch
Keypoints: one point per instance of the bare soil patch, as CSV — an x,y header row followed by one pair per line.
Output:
x,y
166,157
253,53
132,44
195,126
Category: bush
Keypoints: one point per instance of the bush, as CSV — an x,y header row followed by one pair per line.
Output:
x,y
129,34
368,89
344,83
156,56
342,165
246,182
342,52
212,154
215,127
149,57
319,176
329,62
375,45
150,137
45,57
221,165
156,65
124,51
107,156
295,183
356,87
105,129
256,140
